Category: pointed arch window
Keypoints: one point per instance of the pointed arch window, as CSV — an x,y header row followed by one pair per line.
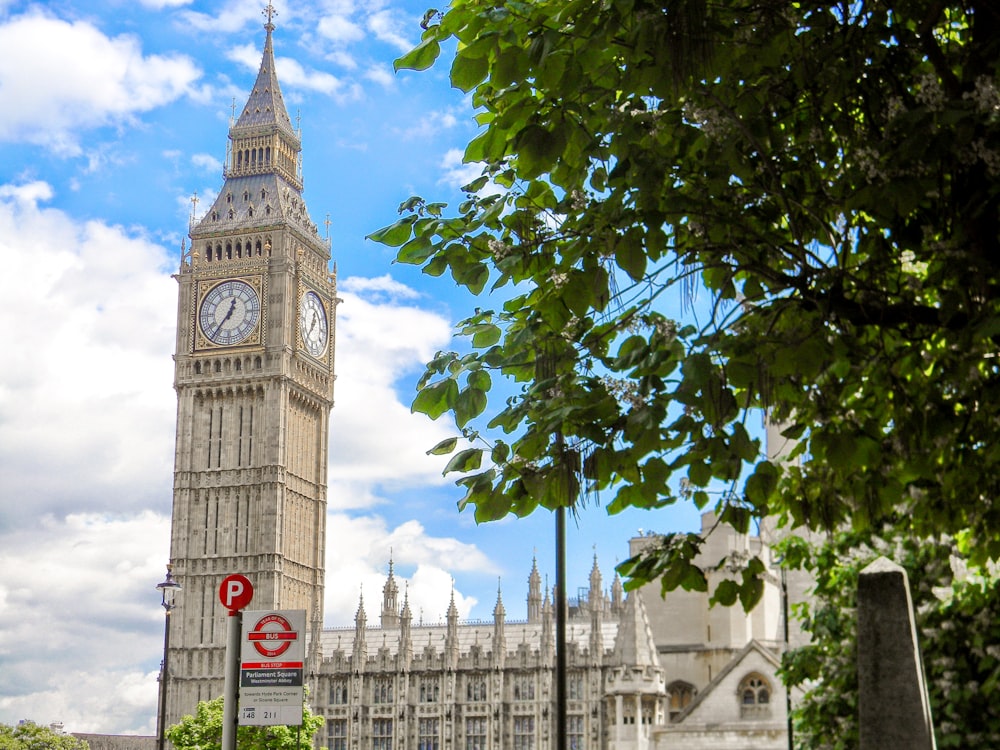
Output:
x,y
755,697
679,696
382,690
338,692
475,688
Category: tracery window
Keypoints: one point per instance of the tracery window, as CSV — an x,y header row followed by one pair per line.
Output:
x,y
475,688
381,734
574,732
524,733
338,692
755,697
382,690
475,733
430,690
524,687
679,697
428,734
574,686
337,734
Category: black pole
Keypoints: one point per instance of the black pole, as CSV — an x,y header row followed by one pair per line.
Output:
x,y
788,689
161,719
560,628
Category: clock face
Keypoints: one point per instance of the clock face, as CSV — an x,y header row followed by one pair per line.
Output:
x,y
229,312
312,324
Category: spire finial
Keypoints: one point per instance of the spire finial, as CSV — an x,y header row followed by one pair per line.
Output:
x,y
270,12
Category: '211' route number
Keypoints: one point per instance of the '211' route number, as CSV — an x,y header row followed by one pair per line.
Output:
x,y
251,713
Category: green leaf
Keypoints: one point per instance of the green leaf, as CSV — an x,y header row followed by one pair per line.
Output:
x,y
468,72
420,57
537,149
435,399
631,257
465,460
395,234
470,403
725,593
485,335
444,447
416,251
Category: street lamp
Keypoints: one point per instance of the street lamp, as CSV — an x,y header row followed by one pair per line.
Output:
x,y
168,588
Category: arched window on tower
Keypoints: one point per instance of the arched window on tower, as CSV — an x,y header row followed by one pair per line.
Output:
x,y
755,697
679,697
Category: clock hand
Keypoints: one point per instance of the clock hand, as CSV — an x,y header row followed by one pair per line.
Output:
x,y
232,306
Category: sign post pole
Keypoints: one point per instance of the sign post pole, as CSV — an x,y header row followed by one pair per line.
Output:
x,y
235,592
232,685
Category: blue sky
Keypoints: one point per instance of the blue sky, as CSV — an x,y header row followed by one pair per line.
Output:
x,y
112,116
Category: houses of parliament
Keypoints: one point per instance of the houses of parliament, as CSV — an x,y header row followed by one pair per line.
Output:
x,y
254,377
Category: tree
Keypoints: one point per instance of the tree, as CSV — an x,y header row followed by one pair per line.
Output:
x,y
203,731
958,620
823,175
29,736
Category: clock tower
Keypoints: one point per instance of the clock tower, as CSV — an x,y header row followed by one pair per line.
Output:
x,y
254,380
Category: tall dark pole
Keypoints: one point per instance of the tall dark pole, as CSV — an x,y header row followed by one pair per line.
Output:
x,y
560,628
167,590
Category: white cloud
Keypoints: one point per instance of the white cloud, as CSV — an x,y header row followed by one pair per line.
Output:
x,y
456,173
340,29
359,549
161,4
429,126
79,607
67,76
233,16
381,75
87,324
379,341
381,287
389,28
207,162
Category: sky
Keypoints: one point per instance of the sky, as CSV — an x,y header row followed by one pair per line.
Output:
x,y
113,117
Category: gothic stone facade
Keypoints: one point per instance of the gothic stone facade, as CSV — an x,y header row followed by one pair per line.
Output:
x,y
642,672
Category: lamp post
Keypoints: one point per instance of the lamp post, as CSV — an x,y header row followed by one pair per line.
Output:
x,y
168,588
